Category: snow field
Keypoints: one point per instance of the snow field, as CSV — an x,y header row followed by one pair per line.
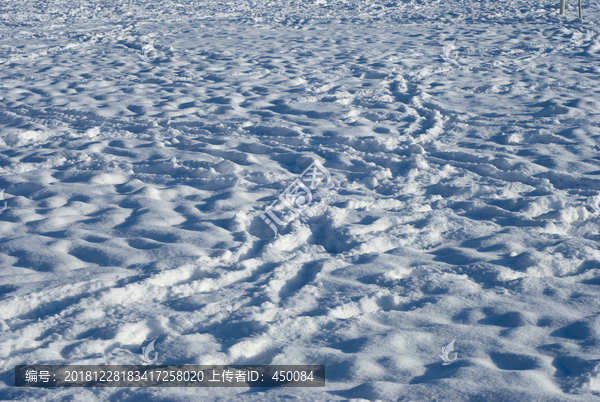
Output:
x,y
459,208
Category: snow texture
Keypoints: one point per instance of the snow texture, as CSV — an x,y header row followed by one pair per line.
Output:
x,y
140,142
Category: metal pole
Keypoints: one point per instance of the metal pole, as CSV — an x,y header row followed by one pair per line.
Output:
x,y
562,7
580,14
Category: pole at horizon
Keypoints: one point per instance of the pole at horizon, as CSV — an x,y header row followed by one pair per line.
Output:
x,y
580,14
562,7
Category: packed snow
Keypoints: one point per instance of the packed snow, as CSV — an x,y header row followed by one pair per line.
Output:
x,y
142,144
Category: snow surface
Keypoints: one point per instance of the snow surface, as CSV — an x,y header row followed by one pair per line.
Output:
x,y
135,173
